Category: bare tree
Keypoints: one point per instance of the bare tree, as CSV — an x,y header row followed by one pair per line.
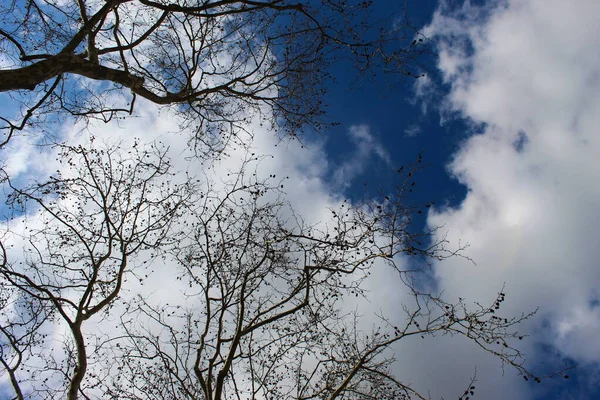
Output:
x,y
210,60
84,243
259,309
258,306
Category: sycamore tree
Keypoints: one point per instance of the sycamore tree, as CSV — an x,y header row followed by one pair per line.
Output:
x,y
254,297
210,61
125,276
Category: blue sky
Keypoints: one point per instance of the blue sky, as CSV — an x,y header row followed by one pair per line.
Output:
x,y
507,121
394,115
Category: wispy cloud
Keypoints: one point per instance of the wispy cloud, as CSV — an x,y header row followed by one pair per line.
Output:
x,y
366,146
412,130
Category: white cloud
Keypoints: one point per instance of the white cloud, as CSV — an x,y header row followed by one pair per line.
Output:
x,y
527,71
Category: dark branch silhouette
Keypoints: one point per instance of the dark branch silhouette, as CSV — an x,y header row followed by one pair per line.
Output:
x,y
257,294
211,61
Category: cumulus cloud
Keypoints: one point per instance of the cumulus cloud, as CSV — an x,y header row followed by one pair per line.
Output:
x,y
526,73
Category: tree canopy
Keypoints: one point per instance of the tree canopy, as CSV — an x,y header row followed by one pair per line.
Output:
x,y
256,292
211,61
124,274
